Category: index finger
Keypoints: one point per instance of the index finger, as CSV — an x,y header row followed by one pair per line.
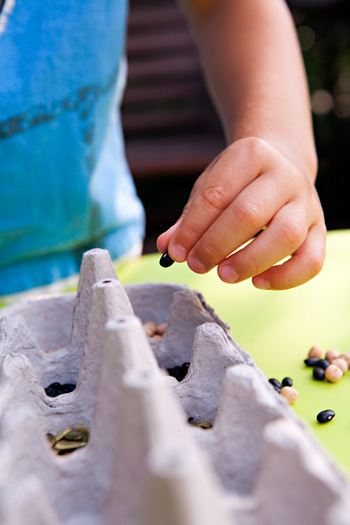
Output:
x,y
227,178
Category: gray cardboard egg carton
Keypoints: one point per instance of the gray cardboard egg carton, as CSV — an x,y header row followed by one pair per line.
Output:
x,y
144,464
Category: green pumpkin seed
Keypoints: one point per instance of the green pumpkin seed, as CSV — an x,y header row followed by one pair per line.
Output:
x,y
68,445
203,424
83,429
62,434
51,438
74,436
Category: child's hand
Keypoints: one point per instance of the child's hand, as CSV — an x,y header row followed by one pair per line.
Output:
x,y
249,186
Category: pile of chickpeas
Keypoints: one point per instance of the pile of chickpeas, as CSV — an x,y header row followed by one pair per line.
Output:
x,y
155,330
331,365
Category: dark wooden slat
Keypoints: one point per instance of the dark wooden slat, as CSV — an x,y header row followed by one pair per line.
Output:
x,y
164,67
160,93
178,39
169,123
172,156
166,120
154,16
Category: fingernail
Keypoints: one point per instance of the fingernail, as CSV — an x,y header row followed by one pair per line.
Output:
x,y
228,275
261,283
178,253
195,265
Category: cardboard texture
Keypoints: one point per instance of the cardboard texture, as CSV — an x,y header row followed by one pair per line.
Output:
x,y
144,463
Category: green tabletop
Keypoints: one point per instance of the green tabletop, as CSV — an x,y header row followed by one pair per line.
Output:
x,y
279,327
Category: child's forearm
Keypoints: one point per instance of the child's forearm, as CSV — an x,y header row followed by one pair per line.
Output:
x,y
255,73
264,179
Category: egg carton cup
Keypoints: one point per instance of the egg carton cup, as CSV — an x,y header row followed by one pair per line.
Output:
x,y
144,463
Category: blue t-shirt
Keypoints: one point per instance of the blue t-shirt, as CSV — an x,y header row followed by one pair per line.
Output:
x,y
65,186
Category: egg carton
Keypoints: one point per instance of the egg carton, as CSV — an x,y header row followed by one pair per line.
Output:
x,y
144,463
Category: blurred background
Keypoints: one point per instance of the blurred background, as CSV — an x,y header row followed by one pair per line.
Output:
x,y
172,131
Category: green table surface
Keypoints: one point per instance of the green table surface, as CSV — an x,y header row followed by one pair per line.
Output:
x,y
279,327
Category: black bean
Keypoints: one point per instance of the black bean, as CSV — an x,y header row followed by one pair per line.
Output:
x,y
276,384
287,381
325,416
51,392
165,260
175,372
68,387
56,389
185,367
56,386
318,373
322,363
311,361
179,372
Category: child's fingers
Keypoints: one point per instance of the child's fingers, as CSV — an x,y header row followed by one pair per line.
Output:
x,y
247,214
164,238
305,263
283,236
219,187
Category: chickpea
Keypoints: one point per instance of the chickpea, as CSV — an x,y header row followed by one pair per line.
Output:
x,y
315,351
332,354
162,328
150,328
346,356
333,373
341,363
290,394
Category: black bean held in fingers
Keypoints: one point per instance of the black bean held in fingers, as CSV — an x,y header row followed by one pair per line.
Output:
x,y
318,373
165,260
325,416
287,381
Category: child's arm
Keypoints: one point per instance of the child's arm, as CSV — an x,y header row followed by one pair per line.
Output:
x,y
265,177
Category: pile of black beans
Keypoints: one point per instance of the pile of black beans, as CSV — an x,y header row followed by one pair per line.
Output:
x,y
179,372
319,367
56,389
